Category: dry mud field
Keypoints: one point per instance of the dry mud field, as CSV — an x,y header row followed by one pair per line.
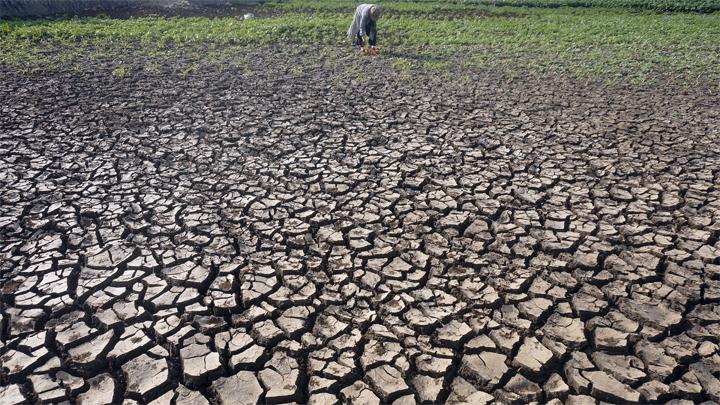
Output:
x,y
235,238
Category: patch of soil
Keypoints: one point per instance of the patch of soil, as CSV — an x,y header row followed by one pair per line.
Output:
x,y
288,223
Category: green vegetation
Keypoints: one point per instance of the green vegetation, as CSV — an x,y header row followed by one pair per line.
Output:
x,y
596,43
705,6
119,72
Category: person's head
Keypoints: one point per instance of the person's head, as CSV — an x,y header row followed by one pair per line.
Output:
x,y
375,12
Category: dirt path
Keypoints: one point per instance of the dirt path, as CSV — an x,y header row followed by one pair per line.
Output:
x,y
231,238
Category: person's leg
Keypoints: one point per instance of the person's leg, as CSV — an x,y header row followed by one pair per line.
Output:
x,y
361,43
372,37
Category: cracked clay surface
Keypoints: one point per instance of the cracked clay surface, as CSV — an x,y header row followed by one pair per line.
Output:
x,y
235,239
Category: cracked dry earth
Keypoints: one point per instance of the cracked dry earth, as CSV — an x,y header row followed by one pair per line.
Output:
x,y
221,238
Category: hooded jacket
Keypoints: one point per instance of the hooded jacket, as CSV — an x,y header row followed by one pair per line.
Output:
x,y
360,20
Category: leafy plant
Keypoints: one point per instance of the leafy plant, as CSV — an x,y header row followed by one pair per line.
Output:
x,y
119,72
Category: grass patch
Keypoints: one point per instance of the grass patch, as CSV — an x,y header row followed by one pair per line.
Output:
x,y
401,6
703,6
120,71
611,44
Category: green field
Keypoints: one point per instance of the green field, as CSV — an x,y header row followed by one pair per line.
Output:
x,y
656,5
632,42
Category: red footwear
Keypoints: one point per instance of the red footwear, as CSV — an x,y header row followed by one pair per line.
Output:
x,y
373,51
363,52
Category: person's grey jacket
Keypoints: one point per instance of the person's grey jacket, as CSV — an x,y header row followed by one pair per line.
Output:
x,y
360,20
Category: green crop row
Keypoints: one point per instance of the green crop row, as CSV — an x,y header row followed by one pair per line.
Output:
x,y
548,29
703,6
593,42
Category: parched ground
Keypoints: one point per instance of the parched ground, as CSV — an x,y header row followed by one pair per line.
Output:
x,y
258,236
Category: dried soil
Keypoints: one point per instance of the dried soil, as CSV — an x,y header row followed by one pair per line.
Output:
x,y
267,237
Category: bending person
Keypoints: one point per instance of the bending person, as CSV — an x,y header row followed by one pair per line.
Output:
x,y
365,23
